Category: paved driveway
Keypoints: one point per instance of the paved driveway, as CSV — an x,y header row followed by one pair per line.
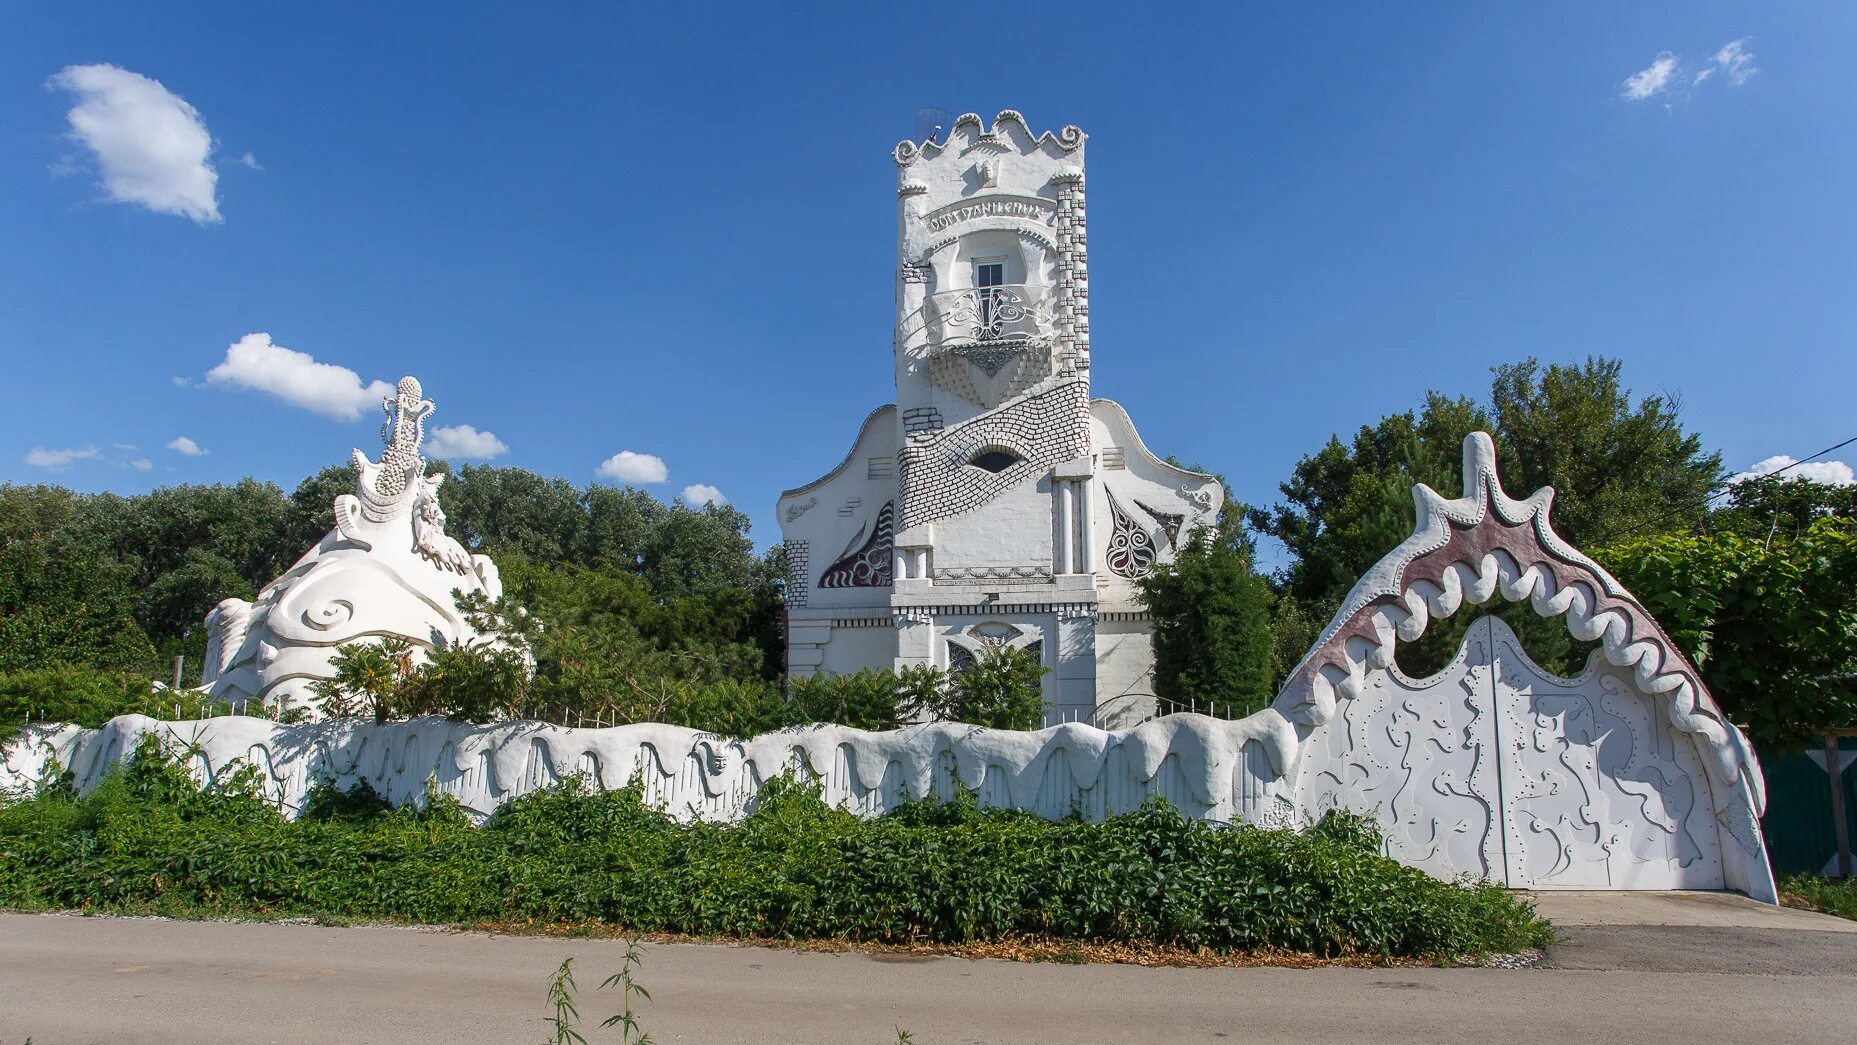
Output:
x,y
1635,968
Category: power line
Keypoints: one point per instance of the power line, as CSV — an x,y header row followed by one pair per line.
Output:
x,y
1720,488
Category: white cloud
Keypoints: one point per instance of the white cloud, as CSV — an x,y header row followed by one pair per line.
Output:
x,y
58,460
141,464
463,441
1735,61
1707,72
251,161
1651,80
628,467
179,382
1836,473
699,494
180,444
254,362
151,147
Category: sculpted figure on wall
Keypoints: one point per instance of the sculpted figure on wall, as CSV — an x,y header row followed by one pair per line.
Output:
x,y
387,569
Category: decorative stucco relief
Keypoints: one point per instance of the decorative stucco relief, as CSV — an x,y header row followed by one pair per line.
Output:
x,y
1042,429
1561,765
799,570
1131,552
970,128
870,564
1207,767
387,569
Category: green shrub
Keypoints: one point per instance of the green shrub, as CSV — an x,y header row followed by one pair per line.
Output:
x,y
1350,828
148,840
83,696
1816,892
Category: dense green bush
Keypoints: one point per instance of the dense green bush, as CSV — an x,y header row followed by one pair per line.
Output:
x,y
652,591
146,839
1214,646
1769,619
1817,893
483,683
85,697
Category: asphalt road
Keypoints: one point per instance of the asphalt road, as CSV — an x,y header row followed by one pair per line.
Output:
x,y
1718,973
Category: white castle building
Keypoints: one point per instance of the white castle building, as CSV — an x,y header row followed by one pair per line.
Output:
x,y
995,502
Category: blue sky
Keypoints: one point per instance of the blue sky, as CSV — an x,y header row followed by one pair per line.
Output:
x,y
591,230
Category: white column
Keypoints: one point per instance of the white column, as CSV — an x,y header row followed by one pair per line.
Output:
x,y
1086,556
1066,492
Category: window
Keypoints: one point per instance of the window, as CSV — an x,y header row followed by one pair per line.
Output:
x,y
989,276
995,460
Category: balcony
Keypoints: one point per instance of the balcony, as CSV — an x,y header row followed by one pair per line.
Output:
x,y
988,315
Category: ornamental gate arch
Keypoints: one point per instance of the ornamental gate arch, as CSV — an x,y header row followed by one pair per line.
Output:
x,y
1496,768
1627,776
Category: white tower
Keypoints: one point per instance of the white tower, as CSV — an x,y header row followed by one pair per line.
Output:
x,y
996,502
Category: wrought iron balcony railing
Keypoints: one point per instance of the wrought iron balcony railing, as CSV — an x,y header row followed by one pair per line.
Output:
x,y
1015,312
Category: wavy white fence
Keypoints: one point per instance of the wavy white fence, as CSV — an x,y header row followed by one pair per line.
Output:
x,y
1208,768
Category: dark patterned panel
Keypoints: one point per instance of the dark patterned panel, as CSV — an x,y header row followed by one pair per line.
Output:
x,y
869,566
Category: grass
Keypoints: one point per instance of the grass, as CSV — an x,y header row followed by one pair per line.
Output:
x,y
950,875
1817,893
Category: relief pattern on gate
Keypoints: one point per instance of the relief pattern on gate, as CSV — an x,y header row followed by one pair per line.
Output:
x,y
1496,769
1602,793
1629,776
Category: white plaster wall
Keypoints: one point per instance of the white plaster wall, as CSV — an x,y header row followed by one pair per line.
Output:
x,y
1013,529
1145,478
853,649
812,513
1208,768
1124,672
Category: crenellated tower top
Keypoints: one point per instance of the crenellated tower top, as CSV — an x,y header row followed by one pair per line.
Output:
x,y
992,267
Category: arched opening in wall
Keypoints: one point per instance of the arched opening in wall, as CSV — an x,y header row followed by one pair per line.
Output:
x,y
994,459
1546,639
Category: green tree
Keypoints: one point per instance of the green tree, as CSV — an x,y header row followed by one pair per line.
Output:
x,y
61,603
1002,689
1767,507
1348,504
186,547
1214,643
1770,620
371,678
503,511
1616,466
61,692
311,511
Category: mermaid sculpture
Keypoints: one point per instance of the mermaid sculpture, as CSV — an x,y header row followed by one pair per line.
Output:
x,y
387,569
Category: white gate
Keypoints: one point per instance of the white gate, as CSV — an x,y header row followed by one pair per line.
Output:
x,y
1496,769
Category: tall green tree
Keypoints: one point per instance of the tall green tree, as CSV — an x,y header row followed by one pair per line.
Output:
x,y
1769,618
509,510
1214,646
1617,466
63,600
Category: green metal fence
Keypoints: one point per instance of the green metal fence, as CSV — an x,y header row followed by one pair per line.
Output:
x,y
1798,825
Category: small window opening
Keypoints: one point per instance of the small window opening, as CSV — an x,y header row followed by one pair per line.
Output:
x,y
994,460
989,277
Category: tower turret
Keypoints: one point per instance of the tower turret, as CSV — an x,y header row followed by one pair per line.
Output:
x,y
996,503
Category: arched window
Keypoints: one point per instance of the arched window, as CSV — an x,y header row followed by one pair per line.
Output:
x,y
994,460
